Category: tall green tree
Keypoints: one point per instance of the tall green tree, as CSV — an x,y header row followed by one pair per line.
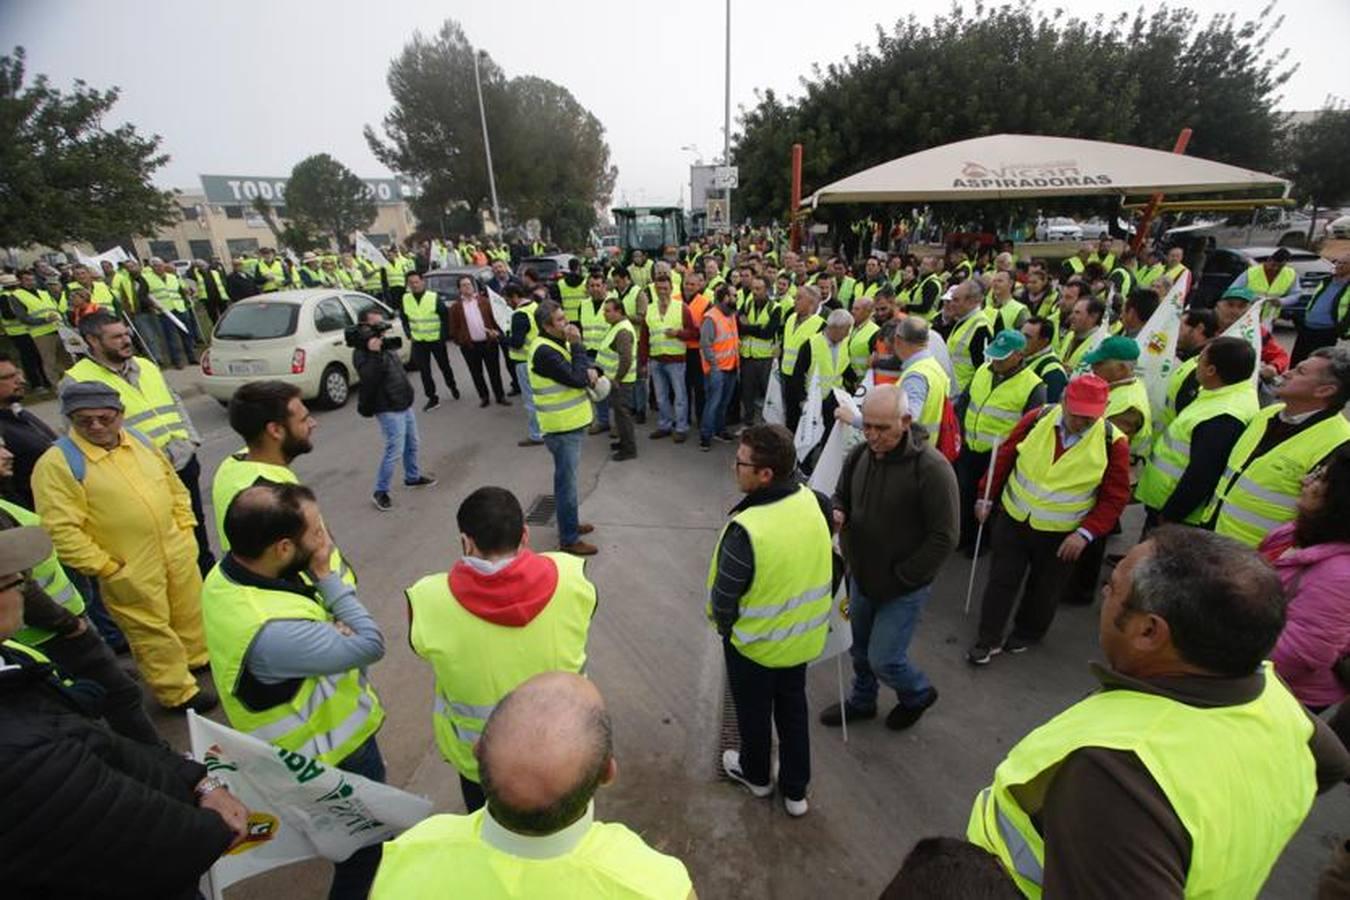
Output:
x,y
64,177
549,153
1317,164
325,196
1137,78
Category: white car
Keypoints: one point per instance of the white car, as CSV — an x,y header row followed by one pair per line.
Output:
x,y
292,336
1339,228
1059,228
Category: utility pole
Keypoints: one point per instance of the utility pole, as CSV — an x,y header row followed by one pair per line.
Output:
x,y
726,115
487,145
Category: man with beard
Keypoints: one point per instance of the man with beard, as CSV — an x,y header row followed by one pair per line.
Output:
x,y
276,427
290,653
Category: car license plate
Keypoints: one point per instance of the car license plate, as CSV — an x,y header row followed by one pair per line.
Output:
x,y
254,367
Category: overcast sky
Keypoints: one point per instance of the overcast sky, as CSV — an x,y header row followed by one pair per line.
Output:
x,y
251,88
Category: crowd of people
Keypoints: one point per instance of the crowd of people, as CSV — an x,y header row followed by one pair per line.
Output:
x,y
1001,412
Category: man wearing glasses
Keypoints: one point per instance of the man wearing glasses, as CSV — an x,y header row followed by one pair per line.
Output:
x,y
770,589
116,509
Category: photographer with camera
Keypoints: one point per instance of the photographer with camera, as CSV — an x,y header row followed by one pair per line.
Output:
x,y
386,394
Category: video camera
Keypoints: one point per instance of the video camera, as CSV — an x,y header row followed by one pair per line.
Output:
x,y
358,336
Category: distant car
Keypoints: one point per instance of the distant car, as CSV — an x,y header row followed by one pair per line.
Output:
x,y
291,336
1261,228
549,268
1339,228
446,281
1059,228
1224,264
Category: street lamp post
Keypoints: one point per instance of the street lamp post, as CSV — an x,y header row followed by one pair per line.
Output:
x,y
726,114
487,145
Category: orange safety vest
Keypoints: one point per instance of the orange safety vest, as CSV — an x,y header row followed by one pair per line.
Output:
x,y
698,307
726,342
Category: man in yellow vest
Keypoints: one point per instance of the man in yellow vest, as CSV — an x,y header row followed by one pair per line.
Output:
x,y
1003,309
1189,456
669,324
290,654
770,590
1041,357
1060,482
35,315
1284,442
537,836
1079,338
805,319
524,330
424,312
99,292
618,360
1002,391
758,322
561,375
1175,267
966,329
1125,788
210,287
1198,327
271,272
114,509
152,407
502,615
171,311
571,290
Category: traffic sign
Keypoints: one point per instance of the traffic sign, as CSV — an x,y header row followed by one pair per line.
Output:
x,y
726,177
717,213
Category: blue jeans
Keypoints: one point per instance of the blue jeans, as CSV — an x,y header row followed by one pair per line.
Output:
x,y
640,395
669,380
531,416
400,439
174,338
353,876
881,635
566,449
719,385
147,326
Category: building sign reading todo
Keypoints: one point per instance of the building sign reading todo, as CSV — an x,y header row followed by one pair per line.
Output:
x,y
242,190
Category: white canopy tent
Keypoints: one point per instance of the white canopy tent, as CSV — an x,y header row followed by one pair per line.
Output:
x,y
1016,166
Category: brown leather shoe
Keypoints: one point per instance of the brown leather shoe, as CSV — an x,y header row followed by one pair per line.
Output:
x,y
585,528
580,548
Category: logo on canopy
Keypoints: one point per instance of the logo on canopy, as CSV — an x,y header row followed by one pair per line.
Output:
x,y
1065,173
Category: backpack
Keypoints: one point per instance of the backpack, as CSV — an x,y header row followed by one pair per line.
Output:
x,y
948,440
75,457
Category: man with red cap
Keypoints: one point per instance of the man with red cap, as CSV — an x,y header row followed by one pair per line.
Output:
x,y
1062,478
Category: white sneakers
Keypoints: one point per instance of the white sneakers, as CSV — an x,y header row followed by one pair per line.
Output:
x,y
731,764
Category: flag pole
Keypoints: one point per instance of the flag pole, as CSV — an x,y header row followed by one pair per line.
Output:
x,y
843,707
979,532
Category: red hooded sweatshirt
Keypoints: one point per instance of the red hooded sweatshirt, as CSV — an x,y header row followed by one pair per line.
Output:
x,y
511,596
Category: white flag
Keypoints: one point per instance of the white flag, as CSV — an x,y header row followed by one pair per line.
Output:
x,y
773,398
368,251
1248,327
1158,347
811,426
298,807
839,638
115,256
842,439
501,311
1094,341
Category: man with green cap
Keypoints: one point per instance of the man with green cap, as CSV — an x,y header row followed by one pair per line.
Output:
x,y
1232,306
1002,390
1128,409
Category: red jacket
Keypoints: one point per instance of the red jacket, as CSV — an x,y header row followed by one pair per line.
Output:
x,y
1272,354
1112,496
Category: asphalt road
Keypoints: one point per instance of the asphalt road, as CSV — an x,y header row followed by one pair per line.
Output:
x,y
659,666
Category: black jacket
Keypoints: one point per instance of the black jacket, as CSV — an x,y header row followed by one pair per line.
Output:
x,y
240,285
384,385
27,437
85,813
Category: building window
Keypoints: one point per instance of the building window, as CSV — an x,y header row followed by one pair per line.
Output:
x,y
189,213
239,246
201,250
234,212
165,250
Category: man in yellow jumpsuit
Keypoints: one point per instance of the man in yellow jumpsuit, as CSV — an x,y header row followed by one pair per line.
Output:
x,y
116,510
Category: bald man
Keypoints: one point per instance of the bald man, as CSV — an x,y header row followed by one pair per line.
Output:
x,y
545,750
896,505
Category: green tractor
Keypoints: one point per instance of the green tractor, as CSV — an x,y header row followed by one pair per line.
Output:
x,y
649,228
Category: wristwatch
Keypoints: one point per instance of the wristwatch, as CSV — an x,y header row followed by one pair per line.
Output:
x,y
207,785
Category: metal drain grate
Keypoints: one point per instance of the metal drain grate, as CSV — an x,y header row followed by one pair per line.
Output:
x,y
542,510
728,738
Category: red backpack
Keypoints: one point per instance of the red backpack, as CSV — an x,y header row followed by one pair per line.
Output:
x,y
948,439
